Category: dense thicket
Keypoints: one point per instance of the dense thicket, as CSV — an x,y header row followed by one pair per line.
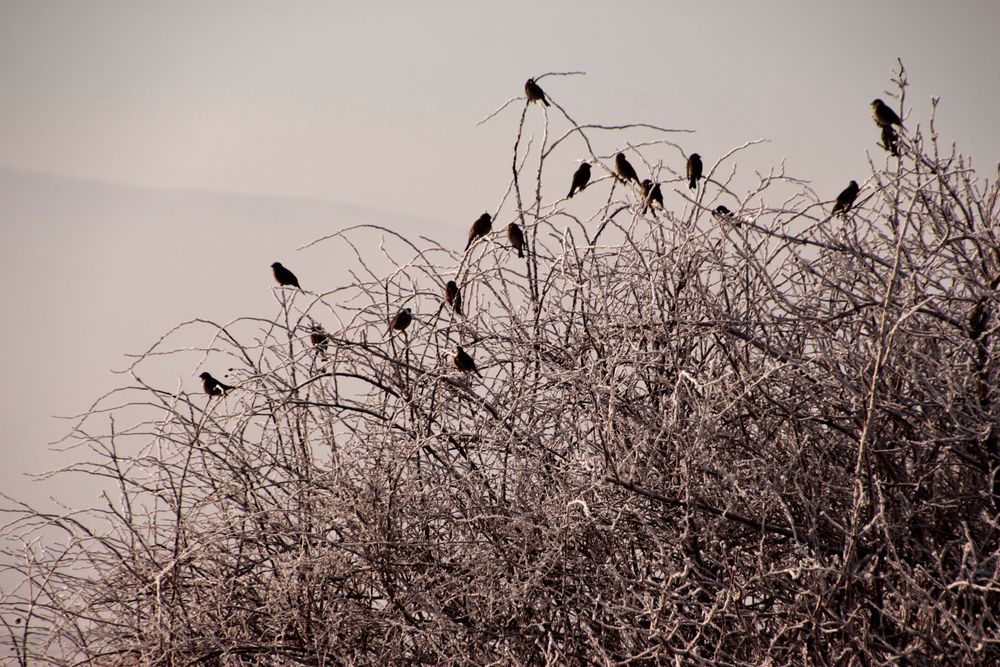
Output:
x,y
700,438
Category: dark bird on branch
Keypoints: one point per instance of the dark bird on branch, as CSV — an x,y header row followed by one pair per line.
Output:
x,y
694,169
534,92
516,238
453,297
212,386
401,320
320,339
284,276
979,319
845,200
480,228
464,362
724,213
580,179
883,115
625,170
890,140
650,193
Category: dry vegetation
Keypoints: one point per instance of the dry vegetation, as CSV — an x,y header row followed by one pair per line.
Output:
x,y
769,438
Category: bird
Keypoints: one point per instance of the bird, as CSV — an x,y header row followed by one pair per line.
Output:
x,y
890,140
516,238
650,193
401,320
694,169
979,318
625,170
534,92
212,386
580,179
284,276
846,199
481,227
883,115
453,297
723,213
319,338
464,362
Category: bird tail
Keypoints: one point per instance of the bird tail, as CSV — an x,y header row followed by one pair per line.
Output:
x,y
469,244
571,191
520,252
693,184
546,102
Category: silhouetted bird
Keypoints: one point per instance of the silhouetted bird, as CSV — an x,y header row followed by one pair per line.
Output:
x,y
212,386
319,338
650,193
625,170
516,238
846,199
580,179
694,168
464,362
979,318
401,320
534,92
890,140
883,115
284,276
481,227
453,297
724,213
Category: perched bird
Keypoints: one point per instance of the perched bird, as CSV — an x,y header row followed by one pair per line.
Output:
x,y
890,140
319,338
650,193
846,199
534,92
883,115
212,386
723,213
284,276
481,227
464,362
625,170
516,238
453,297
694,169
979,318
401,320
580,179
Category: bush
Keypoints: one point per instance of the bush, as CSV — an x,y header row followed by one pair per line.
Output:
x,y
768,436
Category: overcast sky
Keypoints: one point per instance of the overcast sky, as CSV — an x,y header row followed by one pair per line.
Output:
x,y
375,105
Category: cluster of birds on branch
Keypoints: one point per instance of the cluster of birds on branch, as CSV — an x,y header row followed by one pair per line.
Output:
x,y
885,118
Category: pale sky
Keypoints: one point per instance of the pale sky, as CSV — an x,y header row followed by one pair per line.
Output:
x,y
375,105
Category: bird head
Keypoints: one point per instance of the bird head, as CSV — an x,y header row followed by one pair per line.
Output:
x,y
277,265
529,82
854,184
452,284
646,183
458,349
406,310
204,376
877,102
695,156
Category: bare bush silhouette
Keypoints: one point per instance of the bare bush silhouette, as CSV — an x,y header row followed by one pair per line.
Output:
x,y
758,435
